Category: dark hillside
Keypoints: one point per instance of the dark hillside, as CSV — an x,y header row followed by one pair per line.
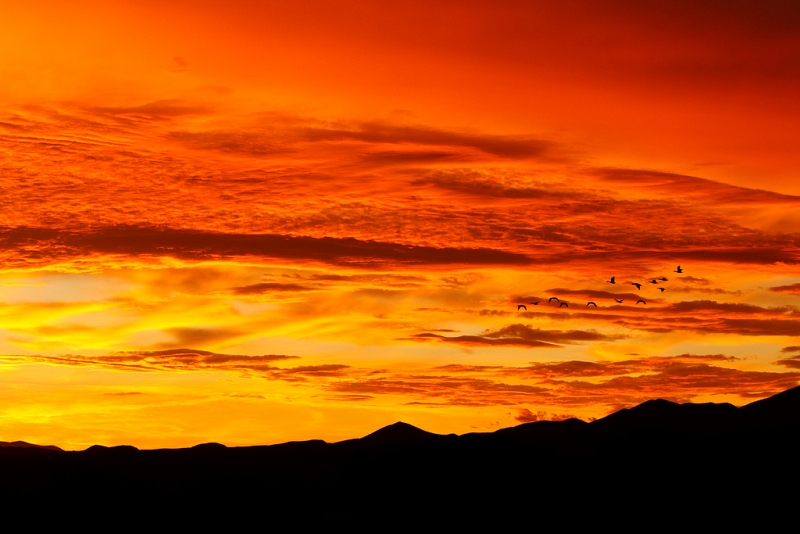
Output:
x,y
659,456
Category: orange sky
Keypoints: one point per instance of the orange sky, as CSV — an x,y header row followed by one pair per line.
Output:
x,y
272,222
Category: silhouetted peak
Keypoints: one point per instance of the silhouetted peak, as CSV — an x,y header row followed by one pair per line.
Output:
x,y
541,432
702,418
654,406
780,409
26,445
572,421
788,398
400,433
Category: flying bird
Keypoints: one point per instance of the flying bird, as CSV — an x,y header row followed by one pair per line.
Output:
x,y
653,281
564,304
551,299
638,286
591,304
522,306
663,279
618,301
679,270
662,289
535,303
640,300
612,280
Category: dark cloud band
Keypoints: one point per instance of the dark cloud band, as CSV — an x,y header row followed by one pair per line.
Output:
x,y
130,240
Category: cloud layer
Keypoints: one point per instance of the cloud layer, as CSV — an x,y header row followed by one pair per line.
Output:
x,y
570,384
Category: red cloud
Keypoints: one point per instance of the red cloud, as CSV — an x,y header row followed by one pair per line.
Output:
x,y
793,289
519,335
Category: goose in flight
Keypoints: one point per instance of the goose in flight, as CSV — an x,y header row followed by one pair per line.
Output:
x,y
551,299
619,301
612,281
640,300
679,270
591,304
653,281
564,304
535,303
522,306
664,279
638,286
662,289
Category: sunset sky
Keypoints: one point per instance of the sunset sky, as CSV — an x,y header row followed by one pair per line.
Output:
x,y
254,222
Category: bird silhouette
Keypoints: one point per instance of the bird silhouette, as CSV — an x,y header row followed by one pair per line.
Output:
x,y
591,304
564,304
618,301
663,279
551,299
522,306
638,286
640,300
679,270
612,281
662,289
653,281
535,303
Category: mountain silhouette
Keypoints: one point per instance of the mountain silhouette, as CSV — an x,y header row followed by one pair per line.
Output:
x,y
401,434
659,414
547,432
26,445
782,409
667,461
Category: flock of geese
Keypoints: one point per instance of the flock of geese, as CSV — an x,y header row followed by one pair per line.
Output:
x,y
563,304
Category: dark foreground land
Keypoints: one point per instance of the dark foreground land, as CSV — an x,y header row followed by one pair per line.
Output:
x,y
670,462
